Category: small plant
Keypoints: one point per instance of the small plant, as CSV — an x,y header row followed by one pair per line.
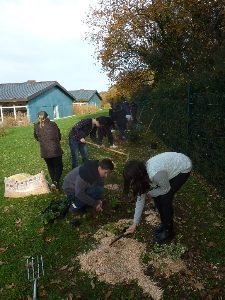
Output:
x,y
135,134
173,251
114,202
53,211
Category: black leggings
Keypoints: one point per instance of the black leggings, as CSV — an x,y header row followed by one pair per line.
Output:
x,y
55,168
164,203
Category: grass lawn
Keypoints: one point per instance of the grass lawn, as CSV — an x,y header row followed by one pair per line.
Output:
x,y
200,241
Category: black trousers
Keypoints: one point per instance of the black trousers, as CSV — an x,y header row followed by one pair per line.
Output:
x,y
107,133
55,168
164,203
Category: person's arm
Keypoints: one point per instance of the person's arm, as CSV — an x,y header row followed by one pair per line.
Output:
x,y
79,129
80,193
140,203
93,135
59,133
161,179
56,131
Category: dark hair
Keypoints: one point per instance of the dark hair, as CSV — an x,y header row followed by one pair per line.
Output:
x,y
105,121
106,164
135,177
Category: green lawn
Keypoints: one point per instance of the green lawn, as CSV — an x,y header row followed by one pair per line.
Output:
x,y
199,220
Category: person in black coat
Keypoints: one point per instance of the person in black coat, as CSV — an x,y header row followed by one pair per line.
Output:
x,y
77,136
119,117
48,135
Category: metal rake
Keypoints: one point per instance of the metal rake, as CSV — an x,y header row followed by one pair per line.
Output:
x,y
35,269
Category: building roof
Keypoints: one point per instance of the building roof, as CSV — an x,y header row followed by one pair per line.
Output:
x,y
25,91
84,95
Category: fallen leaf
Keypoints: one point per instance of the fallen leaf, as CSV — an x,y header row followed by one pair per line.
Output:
x,y
43,293
50,239
18,222
53,281
211,245
10,286
198,285
70,296
41,230
64,267
92,285
3,249
107,295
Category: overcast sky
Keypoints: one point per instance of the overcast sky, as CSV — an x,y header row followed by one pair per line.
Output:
x,y
44,40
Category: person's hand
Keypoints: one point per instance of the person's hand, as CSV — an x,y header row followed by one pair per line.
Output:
x,y
83,140
131,229
98,207
149,197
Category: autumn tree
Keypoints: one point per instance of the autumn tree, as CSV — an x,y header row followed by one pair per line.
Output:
x,y
133,37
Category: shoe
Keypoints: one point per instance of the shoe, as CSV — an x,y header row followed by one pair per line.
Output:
x,y
159,229
75,223
164,236
113,146
53,187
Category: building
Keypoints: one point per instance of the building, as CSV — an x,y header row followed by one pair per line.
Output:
x,y
91,97
31,97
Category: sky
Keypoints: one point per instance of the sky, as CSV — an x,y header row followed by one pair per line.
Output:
x,y
44,40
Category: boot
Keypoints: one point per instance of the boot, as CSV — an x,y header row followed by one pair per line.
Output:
x,y
165,235
159,229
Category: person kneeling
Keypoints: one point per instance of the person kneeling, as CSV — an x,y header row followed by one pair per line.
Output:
x,y
84,185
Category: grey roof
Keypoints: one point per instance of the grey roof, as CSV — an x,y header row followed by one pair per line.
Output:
x,y
84,95
27,90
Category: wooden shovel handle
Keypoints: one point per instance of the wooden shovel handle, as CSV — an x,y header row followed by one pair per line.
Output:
x,y
108,149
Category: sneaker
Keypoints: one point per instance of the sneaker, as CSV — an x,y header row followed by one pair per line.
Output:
x,y
113,146
53,187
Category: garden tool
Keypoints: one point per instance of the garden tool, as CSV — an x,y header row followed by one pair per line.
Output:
x,y
108,149
119,236
35,269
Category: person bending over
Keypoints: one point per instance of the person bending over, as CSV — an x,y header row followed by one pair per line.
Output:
x,y
165,173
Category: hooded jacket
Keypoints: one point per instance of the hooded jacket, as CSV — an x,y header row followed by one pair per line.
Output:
x,y
80,179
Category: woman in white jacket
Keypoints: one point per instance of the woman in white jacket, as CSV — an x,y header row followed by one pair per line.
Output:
x,y
159,178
